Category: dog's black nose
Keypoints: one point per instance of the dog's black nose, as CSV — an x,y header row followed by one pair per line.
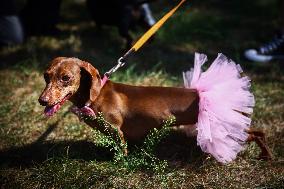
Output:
x,y
42,101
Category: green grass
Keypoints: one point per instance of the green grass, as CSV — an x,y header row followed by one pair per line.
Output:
x,y
61,152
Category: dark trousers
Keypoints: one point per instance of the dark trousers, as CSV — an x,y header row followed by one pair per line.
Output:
x,y
11,31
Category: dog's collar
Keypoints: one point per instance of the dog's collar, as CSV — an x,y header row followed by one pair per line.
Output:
x,y
84,113
104,80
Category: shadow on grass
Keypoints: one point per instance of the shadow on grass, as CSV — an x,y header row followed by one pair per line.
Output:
x,y
176,149
180,150
41,150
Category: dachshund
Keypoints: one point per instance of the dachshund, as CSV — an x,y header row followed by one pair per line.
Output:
x,y
133,110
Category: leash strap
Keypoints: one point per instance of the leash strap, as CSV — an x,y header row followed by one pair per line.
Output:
x,y
122,60
155,27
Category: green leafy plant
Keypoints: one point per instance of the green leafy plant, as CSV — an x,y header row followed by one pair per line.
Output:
x,y
109,140
142,157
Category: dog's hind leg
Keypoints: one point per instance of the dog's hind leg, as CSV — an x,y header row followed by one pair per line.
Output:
x,y
259,138
188,130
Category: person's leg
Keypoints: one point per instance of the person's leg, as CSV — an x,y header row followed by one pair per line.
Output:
x,y
282,15
11,31
149,19
274,49
39,17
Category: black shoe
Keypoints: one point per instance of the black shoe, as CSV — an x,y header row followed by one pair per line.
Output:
x,y
274,50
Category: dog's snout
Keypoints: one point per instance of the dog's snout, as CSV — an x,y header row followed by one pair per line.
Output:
x,y
43,101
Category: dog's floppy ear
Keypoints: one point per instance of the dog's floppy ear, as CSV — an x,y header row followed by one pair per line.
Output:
x,y
91,75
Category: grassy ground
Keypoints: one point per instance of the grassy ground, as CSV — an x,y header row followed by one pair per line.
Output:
x,y
61,152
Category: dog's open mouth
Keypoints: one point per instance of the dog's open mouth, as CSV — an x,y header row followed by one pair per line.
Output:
x,y
51,110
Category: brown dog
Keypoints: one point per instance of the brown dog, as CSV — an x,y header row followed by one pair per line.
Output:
x,y
133,110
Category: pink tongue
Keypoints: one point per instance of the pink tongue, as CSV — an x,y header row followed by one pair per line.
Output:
x,y
50,110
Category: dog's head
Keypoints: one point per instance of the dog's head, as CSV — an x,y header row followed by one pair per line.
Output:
x,y
69,78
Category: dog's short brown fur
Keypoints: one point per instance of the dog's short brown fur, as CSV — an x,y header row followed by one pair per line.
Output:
x,y
133,110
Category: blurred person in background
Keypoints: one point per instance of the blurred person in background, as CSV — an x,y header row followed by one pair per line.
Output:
x,y
272,50
11,30
39,17
124,14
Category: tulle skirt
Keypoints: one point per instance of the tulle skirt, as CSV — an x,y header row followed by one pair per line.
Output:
x,y
224,107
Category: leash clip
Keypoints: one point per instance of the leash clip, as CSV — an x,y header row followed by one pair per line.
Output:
x,y
120,63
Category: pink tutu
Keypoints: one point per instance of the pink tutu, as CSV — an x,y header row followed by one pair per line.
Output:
x,y
224,97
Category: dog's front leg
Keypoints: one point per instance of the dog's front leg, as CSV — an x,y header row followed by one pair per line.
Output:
x,y
123,141
114,126
117,134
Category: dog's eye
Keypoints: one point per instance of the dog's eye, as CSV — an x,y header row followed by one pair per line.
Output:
x,y
46,78
65,78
